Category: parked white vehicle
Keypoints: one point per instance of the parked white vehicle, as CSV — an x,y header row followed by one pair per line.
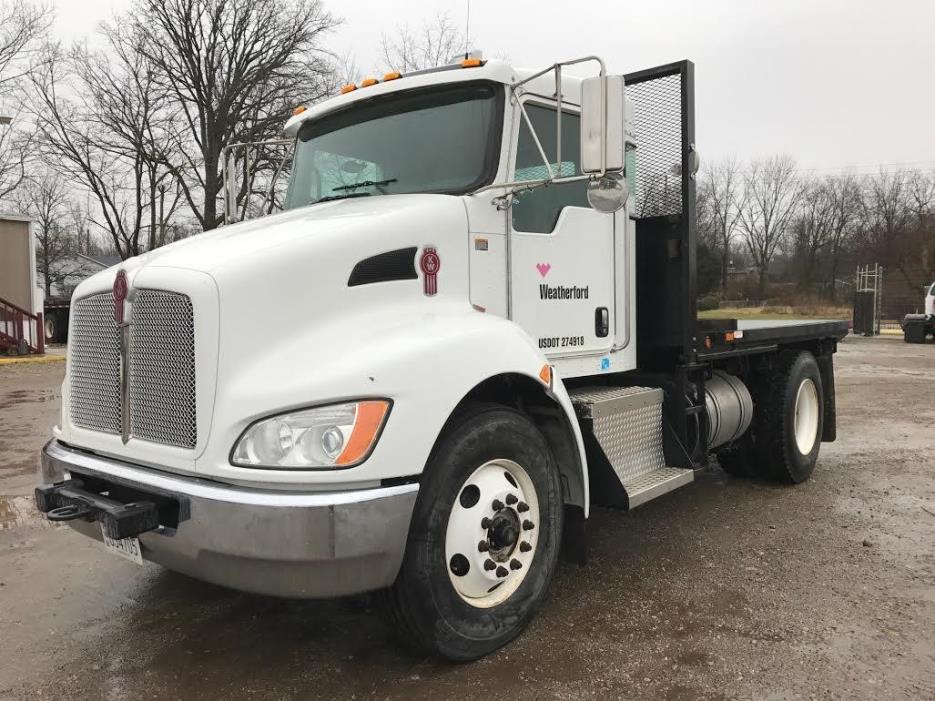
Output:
x,y
475,318
918,327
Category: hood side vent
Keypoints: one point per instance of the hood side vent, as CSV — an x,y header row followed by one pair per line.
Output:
x,y
385,267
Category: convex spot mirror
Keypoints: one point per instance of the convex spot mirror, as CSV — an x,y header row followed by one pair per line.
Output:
x,y
609,193
602,124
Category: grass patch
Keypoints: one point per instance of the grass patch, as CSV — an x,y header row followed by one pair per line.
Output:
x,y
777,313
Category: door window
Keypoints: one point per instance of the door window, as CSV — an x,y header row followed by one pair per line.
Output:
x,y
537,210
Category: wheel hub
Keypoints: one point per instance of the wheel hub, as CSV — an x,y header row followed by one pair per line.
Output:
x,y
492,533
503,534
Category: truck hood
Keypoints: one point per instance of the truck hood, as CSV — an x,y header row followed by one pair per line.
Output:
x,y
297,231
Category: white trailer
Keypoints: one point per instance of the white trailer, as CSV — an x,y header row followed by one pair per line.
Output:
x,y
475,318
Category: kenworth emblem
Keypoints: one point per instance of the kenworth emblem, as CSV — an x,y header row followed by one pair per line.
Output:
x,y
430,264
121,288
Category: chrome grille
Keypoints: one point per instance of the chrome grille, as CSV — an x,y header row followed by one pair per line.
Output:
x,y
94,347
162,369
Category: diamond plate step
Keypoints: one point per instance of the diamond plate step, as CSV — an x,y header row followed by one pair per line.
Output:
x,y
653,484
623,437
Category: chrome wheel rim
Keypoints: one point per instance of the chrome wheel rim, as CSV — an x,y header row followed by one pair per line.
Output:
x,y
492,533
806,416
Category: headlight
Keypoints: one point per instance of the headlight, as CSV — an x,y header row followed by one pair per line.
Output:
x,y
340,435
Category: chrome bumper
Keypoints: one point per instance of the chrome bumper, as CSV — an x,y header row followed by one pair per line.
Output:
x,y
278,543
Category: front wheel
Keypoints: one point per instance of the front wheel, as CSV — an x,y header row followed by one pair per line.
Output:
x,y
484,538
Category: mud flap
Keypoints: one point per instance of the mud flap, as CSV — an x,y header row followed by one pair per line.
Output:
x,y
826,370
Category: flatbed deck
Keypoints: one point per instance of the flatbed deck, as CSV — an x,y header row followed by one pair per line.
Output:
x,y
723,337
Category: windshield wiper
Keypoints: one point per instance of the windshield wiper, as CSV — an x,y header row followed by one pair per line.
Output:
x,y
365,183
345,196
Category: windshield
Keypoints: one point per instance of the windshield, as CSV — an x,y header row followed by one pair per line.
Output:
x,y
428,140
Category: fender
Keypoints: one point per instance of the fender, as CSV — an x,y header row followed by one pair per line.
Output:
x,y
426,365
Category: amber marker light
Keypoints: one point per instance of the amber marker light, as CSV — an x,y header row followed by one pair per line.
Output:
x,y
367,425
545,374
350,87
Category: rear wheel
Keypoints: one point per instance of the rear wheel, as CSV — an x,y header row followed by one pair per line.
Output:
x,y
788,433
484,538
783,441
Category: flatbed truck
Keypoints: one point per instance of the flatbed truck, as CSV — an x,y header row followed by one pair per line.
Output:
x,y
475,318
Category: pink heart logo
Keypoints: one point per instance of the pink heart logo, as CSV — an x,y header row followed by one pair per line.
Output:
x,y
543,268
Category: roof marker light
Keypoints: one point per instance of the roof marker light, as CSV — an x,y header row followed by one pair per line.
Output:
x,y
348,88
299,110
367,82
393,75
471,63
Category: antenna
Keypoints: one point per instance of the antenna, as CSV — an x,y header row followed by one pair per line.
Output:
x,y
467,30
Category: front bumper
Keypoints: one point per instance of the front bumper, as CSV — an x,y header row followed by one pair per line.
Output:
x,y
269,542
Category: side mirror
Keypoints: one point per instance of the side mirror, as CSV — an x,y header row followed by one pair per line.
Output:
x,y
609,193
603,133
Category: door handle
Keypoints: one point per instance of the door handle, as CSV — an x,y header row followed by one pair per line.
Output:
x,y
601,322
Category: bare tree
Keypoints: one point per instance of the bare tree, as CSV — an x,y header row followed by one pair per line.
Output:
x,y
771,194
45,198
844,192
22,25
102,122
721,190
432,45
812,229
235,69
921,201
886,219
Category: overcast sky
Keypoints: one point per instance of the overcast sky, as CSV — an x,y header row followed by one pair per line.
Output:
x,y
834,83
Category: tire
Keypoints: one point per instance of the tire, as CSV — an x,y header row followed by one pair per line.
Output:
x,y
789,419
429,602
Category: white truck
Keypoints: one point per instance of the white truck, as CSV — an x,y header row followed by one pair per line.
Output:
x,y
474,320
918,327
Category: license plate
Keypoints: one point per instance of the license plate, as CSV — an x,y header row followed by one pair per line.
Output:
x,y
127,548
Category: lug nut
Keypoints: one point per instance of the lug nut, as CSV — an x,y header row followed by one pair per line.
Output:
x,y
497,505
528,525
515,564
511,499
522,507
524,547
490,565
502,571
483,546
485,522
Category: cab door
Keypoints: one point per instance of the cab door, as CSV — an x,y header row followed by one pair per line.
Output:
x,y
561,250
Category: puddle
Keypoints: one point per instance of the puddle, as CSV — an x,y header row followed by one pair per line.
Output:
x,y
22,396
20,511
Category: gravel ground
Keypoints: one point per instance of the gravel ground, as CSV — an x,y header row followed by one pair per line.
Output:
x,y
725,589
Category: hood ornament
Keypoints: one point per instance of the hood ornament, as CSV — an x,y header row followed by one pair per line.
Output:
x,y
120,291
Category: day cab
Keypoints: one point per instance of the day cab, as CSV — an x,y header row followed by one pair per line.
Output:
x,y
474,317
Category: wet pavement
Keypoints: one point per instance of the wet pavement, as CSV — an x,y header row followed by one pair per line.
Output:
x,y
727,588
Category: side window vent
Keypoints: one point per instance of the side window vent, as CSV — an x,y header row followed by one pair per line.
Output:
x,y
385,267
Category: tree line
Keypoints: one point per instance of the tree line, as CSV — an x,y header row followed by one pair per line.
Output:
x,y
768,220
125,138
